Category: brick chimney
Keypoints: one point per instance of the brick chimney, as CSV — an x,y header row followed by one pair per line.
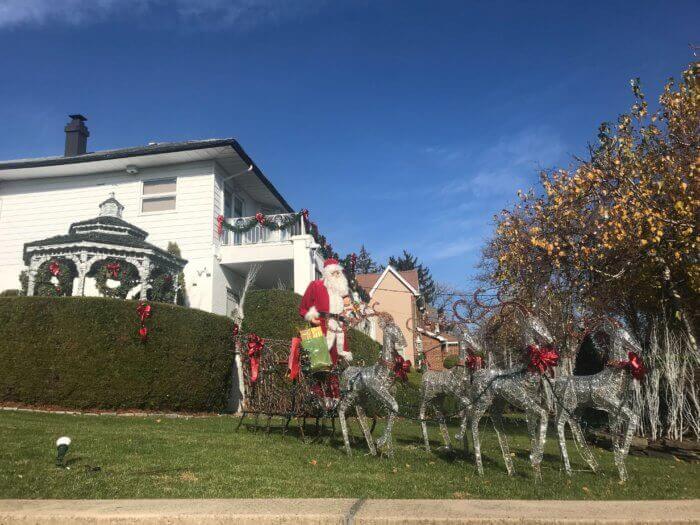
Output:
x,y
76,136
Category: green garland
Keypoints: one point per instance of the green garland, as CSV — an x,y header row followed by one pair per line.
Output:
x,y
126,274
162,288
55,278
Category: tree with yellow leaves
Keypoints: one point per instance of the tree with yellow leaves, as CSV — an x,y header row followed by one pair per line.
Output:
x,y
618,231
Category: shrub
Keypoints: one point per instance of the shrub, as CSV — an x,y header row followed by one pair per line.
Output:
x,y
274,314
85,352
10,293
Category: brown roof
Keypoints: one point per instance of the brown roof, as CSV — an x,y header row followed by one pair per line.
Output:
x,y
368,280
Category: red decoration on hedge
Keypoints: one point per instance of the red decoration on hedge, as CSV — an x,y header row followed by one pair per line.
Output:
x,y
220,224
113,269
144,312
255,346
54,268
236,329
260,218
541,359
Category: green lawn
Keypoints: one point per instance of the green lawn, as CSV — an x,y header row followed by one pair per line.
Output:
x,y
146,457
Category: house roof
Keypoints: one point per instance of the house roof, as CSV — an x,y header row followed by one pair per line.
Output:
x,y
368,281
26,168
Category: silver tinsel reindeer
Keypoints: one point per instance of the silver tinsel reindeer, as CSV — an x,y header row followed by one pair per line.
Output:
x,y
357,383
608,390
438,384
493,388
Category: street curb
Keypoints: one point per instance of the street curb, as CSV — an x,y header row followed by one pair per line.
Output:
x,y
347,512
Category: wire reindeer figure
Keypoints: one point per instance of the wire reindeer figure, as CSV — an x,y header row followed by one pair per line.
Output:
x,y
438,384
358,383
608,390
493,388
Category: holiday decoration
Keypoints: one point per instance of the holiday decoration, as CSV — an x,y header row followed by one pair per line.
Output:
x,y
608,390
475,361
255,346
541,359
220,224
456,382
162,287
362,382
55,278
144,312
401,368
260,218
123,277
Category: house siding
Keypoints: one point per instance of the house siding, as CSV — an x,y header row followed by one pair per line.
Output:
x,y
394,298
39,208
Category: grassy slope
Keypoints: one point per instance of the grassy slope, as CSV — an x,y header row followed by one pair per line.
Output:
x,y
147,457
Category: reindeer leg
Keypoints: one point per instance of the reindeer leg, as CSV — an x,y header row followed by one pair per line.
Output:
x,y
497,419
362,418
443,426
423,423
345,403
476,417
392,408
584,449
561,421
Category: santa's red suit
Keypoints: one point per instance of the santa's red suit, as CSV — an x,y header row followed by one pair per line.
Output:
x,y
325,296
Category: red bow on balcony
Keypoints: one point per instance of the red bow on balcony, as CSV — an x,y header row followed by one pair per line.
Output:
x,y
54,268
260,218
255,346
542,358
401,367
113,269
474,361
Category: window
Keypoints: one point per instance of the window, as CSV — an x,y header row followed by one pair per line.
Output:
x,y
158,195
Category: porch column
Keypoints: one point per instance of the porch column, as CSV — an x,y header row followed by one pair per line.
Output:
x,y
31,275
83,266
145,274
303,262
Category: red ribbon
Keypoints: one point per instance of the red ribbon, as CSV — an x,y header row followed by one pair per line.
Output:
x,y
114,268
401,367
294,358
236,329
634,365
144,311
260,218
474,361
540,359
220,225
54,268
255,345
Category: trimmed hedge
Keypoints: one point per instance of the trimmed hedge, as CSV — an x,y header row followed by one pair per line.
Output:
x,y
85,352
275,314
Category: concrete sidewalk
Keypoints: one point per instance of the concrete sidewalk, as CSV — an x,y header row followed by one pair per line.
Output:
x,y
345,511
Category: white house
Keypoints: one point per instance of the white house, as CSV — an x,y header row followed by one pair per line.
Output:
x,y
173,191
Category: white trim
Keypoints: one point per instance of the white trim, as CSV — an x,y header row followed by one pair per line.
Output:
x,y
398,276
435,336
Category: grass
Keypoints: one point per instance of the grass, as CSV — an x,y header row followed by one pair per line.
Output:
x,y
149,457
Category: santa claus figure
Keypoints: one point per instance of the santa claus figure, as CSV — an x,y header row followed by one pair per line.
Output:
x,y
324,302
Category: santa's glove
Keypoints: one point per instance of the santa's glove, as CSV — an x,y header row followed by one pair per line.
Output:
x,y
345,355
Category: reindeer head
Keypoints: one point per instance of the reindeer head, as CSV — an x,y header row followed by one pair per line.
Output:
x,y
621,341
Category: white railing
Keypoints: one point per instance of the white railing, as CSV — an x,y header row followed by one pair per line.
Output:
x,y
262,234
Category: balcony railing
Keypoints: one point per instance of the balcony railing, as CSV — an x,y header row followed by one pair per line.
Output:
x,y
259,234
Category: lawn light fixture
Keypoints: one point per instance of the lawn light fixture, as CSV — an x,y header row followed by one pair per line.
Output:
x,y
62,445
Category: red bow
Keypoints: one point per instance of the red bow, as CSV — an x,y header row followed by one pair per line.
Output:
x,y
540,359
260,218
144,311
54,268
255,345
401,367
474,361
220,224
114,268
634,365
294,358
235,329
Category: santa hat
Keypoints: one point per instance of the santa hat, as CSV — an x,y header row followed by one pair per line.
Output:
x,y
330,265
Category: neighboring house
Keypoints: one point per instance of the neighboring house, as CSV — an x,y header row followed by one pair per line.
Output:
x,y
175,192
396,293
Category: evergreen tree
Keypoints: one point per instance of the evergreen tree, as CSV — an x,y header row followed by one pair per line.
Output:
x,y
174,249
406,261
365,263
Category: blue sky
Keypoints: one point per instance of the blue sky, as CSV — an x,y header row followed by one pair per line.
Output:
x,y
420,119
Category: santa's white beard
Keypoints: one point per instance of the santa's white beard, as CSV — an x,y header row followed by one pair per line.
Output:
x,y
337,287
